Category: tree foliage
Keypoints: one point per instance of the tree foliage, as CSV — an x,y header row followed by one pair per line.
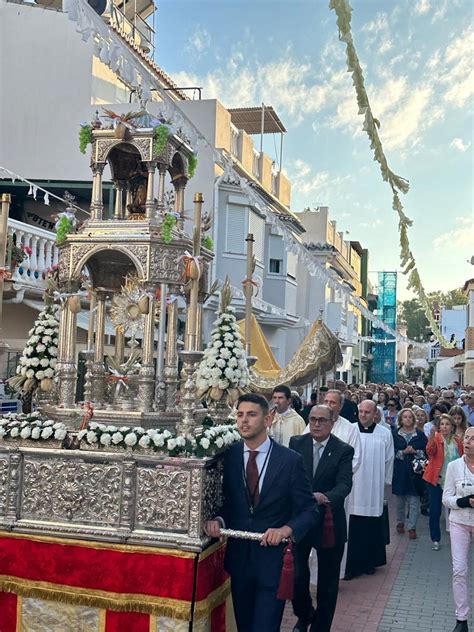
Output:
x,y
411,313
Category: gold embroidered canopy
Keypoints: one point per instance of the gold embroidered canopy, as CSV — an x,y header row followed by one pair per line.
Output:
x,y
318,353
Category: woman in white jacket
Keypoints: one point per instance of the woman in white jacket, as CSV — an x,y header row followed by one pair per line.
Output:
x,y
458,495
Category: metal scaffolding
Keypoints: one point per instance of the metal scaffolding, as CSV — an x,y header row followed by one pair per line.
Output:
x,y
385,355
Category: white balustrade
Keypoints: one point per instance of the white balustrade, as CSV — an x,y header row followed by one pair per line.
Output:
x,y
32,270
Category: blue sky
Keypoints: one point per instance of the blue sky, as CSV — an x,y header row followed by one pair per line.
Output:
x,y
417,61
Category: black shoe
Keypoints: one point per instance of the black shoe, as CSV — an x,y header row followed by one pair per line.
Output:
x,y
347,577
425,512
300,626
370,571
461,626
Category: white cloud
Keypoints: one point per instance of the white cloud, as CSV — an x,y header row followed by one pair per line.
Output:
x,y
459,237
422,7
306,183
378,34
458,143
199,41
457,76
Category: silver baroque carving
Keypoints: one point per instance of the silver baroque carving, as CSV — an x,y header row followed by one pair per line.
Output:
x,y
162,498
212,491
68,490
165,265
3,485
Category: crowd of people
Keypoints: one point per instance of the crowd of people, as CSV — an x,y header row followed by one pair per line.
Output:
x,y
354,442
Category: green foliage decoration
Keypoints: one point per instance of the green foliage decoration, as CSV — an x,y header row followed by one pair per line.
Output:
x,y
169,222
160,138
85,137
193,162
208,242
64,227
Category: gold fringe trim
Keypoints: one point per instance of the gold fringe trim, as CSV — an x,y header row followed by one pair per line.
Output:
x,y
102,616
204,607
19,614
131,602
211,550
126,548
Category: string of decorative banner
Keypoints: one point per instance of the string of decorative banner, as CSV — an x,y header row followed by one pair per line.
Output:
x,y
113,52
398,184
34,188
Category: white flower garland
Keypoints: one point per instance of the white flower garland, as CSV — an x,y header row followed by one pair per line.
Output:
x,y
209,441
31,427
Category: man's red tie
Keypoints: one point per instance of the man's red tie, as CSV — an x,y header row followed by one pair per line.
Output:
x,y
251,472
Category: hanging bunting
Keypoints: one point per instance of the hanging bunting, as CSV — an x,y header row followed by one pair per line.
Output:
x,y
397,184
34,188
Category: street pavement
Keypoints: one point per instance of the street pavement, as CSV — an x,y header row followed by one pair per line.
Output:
x,y
411,593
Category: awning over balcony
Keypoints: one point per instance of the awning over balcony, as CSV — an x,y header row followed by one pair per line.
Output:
x,y
250,120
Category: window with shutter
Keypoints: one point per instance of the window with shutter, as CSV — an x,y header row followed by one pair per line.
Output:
x,y
257,228
236,229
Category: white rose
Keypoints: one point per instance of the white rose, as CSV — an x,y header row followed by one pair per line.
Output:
x,y
217,344
53,351
111,429
39,375
14,432
57,425
159,440
40,348
25,433
30,373
35,433
223,384
23,371
225,353
131,438
117,437
124,428
46,339
219,442
48,422
52,363
180,441
44,362
91,437
205,443
60,434
221,363
49,373
81,434
105,439
28,351
39,329
46,432
144,441
55,341
171,444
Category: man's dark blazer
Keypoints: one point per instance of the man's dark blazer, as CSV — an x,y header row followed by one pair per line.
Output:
x,y
350,411
285,499
333,477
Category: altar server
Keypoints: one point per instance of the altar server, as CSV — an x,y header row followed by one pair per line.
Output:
x,y
367,537
286,422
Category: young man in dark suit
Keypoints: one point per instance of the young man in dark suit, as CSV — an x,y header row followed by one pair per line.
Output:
x,y
328,463
266,490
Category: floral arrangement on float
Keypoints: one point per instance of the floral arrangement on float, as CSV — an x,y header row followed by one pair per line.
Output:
x,y
38,359
207,440
223,373
32,426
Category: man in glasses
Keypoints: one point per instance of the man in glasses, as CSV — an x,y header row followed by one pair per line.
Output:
x,y
328,464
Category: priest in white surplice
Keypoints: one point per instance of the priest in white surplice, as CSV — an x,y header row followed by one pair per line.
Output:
x,y
366,545
286,422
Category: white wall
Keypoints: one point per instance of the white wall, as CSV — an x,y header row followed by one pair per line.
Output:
x,y
444,373
45,79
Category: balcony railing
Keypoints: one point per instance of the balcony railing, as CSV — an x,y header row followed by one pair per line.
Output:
x,y
44,253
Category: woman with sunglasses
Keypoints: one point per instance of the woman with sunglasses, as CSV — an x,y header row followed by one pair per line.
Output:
x,y
458,496
391,416
408,442
443,447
